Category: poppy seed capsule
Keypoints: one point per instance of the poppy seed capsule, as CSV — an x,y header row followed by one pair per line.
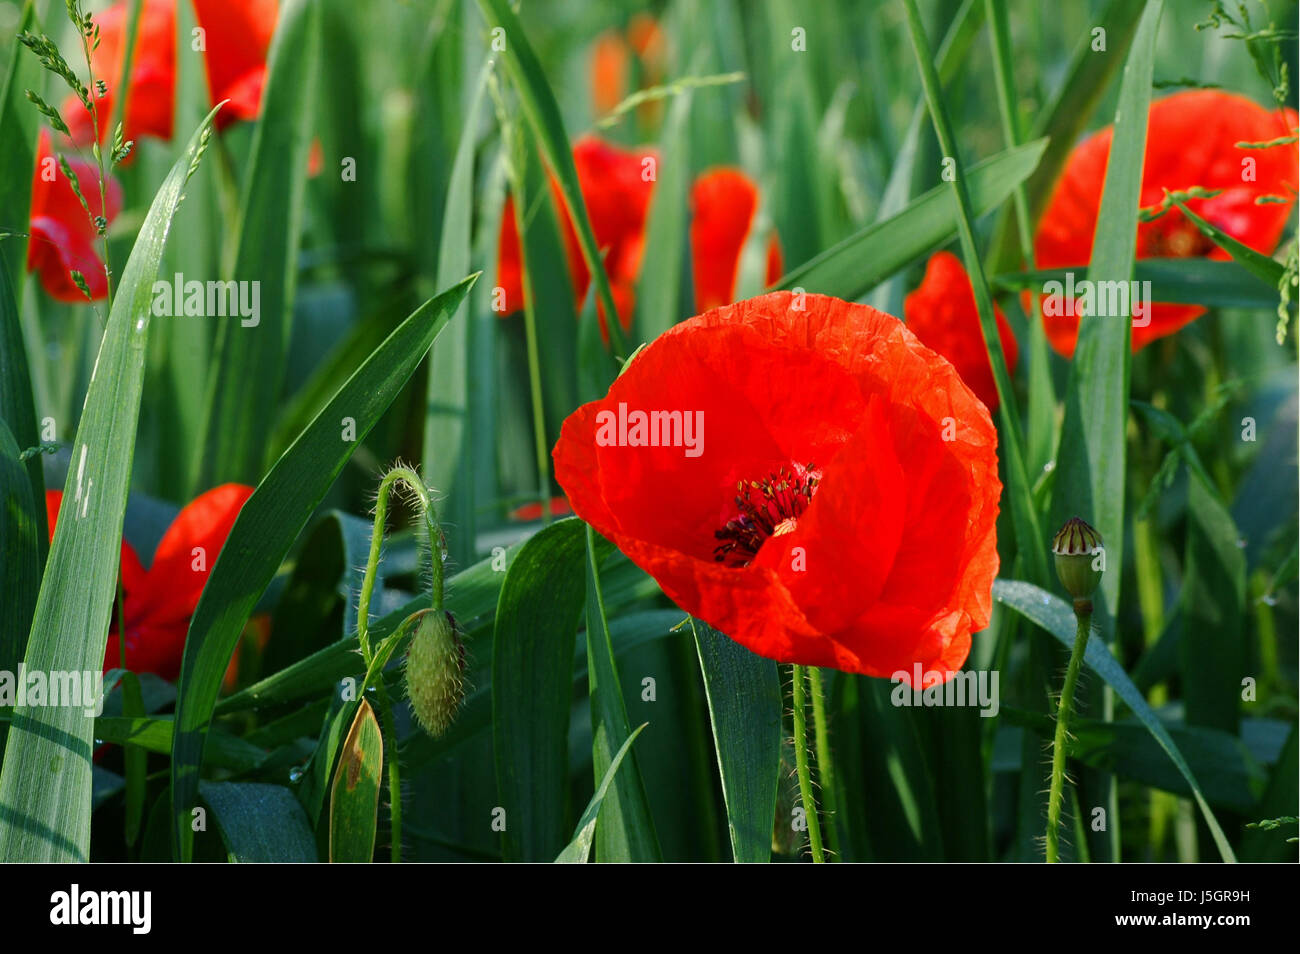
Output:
x,y
1077,548
435,665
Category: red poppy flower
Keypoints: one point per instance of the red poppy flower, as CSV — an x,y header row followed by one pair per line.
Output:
x,y
617,196
942,313
63,237
1191,141
723,204
159,602
820,517
236,38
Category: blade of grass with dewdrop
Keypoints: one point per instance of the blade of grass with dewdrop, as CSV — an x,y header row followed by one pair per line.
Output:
x,y
1024,515
45,784
268,525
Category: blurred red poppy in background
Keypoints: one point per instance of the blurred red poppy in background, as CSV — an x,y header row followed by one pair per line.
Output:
x,y
157,603
236,35
617,189
828,523
1191,141
63,237
723,205
942,313
616,55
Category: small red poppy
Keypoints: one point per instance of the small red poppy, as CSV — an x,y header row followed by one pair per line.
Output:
x,y
236,36
723,205
1191,141
616,192
63,237
529,512
159,602
942,313
828,522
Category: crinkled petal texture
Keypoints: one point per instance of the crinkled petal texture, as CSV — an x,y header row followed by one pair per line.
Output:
x,y
891,564
942,313
63,238
1191,141
157,603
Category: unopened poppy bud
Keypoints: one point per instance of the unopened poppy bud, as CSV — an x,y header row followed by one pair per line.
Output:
x,y
1079,558
435,666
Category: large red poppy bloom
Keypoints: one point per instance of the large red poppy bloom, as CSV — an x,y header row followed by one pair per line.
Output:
x,y
159,602
723,204
236,37
63,237
1191,141
942,313
823,519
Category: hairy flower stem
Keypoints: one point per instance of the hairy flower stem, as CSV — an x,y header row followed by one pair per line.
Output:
x,y
412,480
825,765
1083,616
798,676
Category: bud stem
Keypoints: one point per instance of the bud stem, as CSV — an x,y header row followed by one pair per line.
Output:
x,y
798,676
825,767
1083,618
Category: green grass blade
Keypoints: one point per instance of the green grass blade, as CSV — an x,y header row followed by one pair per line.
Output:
x,y
1090,464
1019,490
17,404
259,822
625,831
19,555
1189,281
745,703
1262,267
858,264
269,523
543,114
537,618
19,123
579,848
354,796
245,385
1054,615
448,463
45,785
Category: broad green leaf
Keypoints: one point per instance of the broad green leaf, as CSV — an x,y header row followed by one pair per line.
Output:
x,y
154,734
1055,616
537,618
579,848
625,831
45,785
745,704
858,264
269,523
244,387
1090,466
543,114
354,796
258,822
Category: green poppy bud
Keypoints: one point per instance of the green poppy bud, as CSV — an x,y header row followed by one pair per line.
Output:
x,y
435,667
1080,558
